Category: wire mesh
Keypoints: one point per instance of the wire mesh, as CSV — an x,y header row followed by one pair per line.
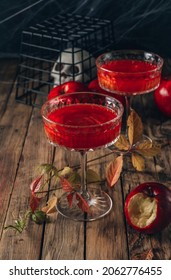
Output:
x,y
43,44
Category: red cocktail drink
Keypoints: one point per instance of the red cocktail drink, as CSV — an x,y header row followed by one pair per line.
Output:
x,y
83,121
129,72
82,126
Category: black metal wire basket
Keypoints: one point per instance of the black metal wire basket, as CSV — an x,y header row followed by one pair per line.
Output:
x,y
44,45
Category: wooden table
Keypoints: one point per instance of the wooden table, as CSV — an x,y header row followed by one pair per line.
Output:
x,y
23,146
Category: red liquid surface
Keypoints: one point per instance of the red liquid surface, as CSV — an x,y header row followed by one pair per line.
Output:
x,y
85,126
129,77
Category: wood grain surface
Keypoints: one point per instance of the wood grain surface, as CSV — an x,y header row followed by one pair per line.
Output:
x,y
23,146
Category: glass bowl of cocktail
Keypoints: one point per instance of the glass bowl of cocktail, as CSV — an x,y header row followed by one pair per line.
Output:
x,y
83,122
129,73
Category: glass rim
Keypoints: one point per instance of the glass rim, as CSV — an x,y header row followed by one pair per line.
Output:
x,y
159,64
119,115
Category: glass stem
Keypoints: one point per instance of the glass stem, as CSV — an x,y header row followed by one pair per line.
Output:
x,y
128,100
83,162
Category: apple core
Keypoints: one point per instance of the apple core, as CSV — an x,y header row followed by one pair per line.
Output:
x,y
142,210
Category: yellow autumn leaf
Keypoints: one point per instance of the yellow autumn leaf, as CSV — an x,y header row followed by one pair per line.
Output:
x,y
135,128
113,170
138,162
51,206
122,143
148,149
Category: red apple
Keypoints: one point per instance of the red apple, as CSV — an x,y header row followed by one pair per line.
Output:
x,y
94,86
68,87
148,207
162,97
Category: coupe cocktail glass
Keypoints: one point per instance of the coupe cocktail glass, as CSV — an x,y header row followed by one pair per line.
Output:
x,y
83,122
129,73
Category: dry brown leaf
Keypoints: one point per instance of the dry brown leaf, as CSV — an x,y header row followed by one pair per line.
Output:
x,y
138,162
147,255
113,170
148,149
51,206
122,143
135,127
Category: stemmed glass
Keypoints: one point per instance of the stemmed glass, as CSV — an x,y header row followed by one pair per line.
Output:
x,y
83,122
129,73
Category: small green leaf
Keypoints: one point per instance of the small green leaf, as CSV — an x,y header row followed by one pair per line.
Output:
x,y
20,224
47,168
15,227
74,178
92,176
39,217
66,171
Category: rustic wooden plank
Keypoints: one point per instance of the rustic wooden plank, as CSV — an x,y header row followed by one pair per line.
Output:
x,y
14,165
106,238
13,128
163,162
8,68
157,169
64,238
23,146
36,151
161,243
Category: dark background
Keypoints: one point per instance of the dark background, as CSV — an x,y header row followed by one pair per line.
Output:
x,y
144,24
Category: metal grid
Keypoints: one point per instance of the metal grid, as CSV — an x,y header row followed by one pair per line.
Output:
x,y
43,43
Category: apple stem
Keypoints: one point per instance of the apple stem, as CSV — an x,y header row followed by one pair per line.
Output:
x,y
150,191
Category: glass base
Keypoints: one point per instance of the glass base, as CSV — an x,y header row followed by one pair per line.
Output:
x,y
99,202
